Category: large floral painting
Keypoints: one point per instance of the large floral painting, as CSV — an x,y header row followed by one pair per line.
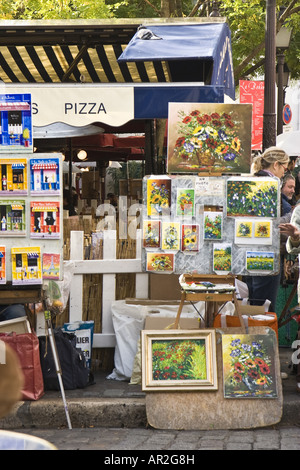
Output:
x,y
209,137
249,366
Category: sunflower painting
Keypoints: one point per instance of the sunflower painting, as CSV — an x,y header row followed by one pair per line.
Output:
x,y
249,366
158,196
190,238
209,137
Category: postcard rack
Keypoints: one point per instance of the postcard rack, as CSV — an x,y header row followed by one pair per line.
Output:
x,y
214,290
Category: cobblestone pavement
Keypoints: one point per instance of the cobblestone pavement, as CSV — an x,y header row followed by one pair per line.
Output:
x,y
140,439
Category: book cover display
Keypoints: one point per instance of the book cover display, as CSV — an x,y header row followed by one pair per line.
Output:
x,y
30,216
15,123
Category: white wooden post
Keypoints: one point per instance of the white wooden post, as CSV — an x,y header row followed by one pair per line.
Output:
x,y
141,279
76,290
108,291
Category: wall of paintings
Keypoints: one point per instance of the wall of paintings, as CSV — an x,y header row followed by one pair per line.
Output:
x,y
211,225
199,217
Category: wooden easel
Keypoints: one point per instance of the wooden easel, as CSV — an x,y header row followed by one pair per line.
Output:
x,y
211,298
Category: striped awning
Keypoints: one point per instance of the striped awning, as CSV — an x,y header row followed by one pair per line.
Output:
x,y
44,166
42,208
56,51
33,255
18,166
14,106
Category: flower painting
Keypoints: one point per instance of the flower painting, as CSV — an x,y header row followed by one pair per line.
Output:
x,y
179,360
222,258
249,232
213,219
151,234
243,229
249,366
252,197
160,262
170,236
262,229
190,237
158,196
209,137
185,204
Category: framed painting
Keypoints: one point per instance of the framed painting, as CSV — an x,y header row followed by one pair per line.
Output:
x,y
252,197
249,366
179,360
209,137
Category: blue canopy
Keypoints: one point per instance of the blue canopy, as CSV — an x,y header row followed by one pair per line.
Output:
x,y
192,52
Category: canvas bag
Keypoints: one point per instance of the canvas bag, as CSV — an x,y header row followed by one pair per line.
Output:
x,y
75,373
26,346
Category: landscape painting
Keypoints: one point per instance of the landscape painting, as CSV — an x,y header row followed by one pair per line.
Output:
x,y
179,360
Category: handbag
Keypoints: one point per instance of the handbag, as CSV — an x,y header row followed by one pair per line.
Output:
x,y
26,346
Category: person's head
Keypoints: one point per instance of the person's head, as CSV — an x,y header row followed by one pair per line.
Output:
x,y
288,186
292,163
274,160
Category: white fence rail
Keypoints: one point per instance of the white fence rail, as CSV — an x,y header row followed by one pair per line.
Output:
x,y
109,266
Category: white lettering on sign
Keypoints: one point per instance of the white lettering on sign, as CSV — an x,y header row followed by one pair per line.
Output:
x,y
84,108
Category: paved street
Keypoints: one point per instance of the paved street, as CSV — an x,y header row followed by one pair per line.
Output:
x,y
126,439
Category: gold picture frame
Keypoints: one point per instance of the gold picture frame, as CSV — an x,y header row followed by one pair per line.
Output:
x,y
179,360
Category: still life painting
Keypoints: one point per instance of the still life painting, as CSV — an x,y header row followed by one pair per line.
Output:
x,y
151,234
160,262
252,197
179,360
209,137
170,236
190,237
248,232
158,196
249,366
262,229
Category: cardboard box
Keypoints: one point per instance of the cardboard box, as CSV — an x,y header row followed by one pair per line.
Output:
x,y
164,287
17,325
161,323
251,309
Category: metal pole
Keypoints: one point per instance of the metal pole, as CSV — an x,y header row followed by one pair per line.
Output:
x,y
269,118
280,93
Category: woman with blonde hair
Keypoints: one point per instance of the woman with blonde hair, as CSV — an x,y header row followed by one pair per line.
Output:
x,y
273,162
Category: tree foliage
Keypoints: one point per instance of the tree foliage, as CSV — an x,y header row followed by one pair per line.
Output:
x,y
246,18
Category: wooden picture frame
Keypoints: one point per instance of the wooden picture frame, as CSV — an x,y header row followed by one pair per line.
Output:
x,y
176,360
